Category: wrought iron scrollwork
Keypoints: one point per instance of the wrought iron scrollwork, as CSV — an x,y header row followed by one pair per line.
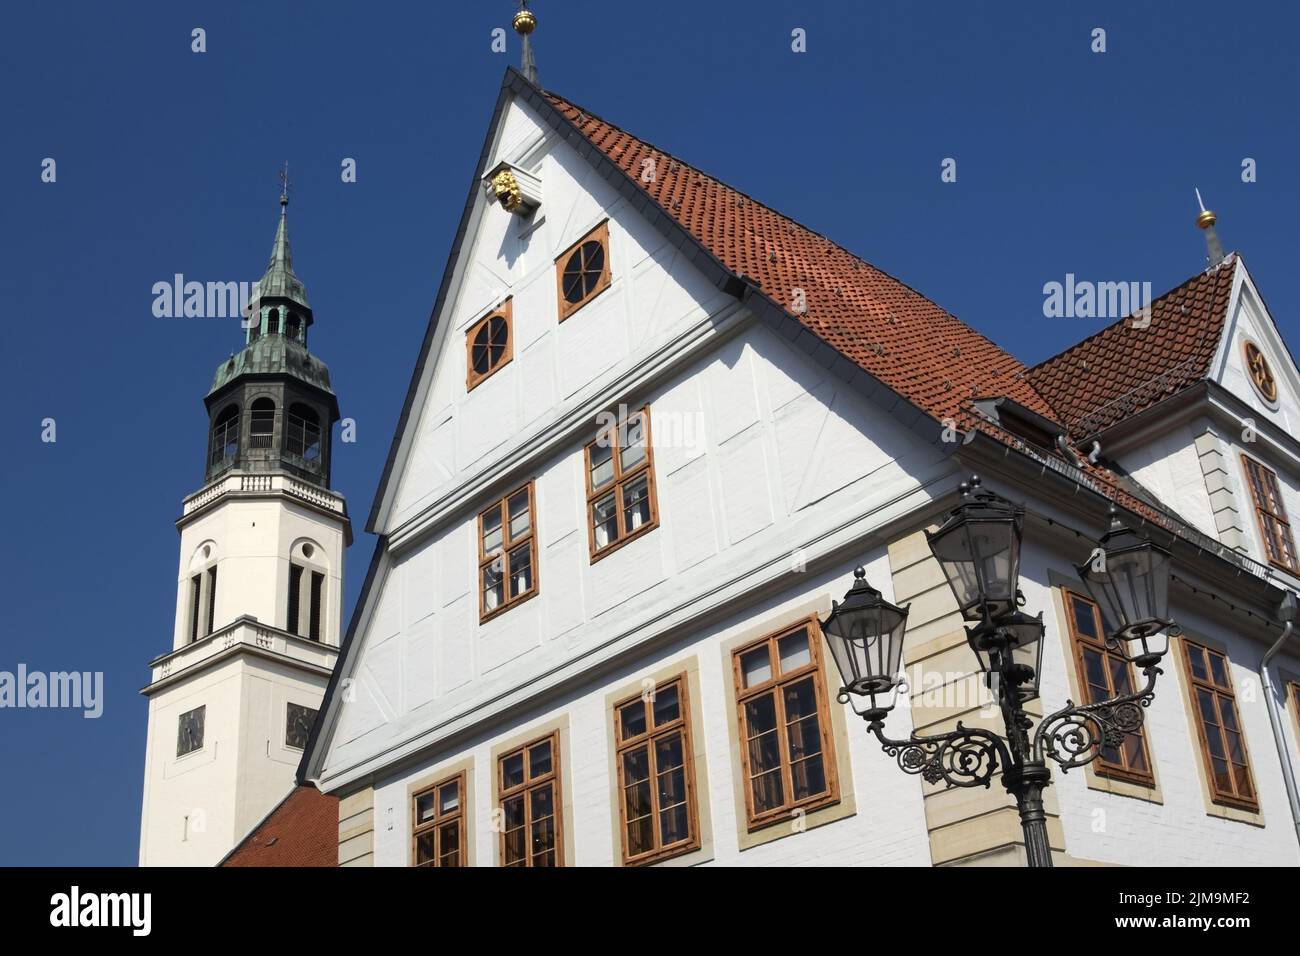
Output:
x,y
1076,735
965,757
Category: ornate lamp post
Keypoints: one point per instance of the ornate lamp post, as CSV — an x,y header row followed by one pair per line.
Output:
x,y
978,548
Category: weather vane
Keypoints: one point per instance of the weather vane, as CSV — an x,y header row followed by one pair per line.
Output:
x,y
283,176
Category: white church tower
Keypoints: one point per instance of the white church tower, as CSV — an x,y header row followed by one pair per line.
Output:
x,y
259,591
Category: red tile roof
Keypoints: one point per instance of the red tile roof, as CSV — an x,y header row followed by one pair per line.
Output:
x,y
912,345
1125,368
890,330
302,831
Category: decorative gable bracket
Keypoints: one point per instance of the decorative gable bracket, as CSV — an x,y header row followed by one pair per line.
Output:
x,y
514,189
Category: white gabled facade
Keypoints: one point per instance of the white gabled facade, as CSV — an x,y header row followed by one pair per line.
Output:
x,y
778,467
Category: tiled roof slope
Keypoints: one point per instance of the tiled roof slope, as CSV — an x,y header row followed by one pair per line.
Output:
x,y
302,831
1124,368
893,332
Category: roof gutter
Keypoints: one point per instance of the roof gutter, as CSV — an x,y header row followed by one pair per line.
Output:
x,y
1286,613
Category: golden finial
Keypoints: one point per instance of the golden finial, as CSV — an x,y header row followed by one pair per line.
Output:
x,y
1207,218
524,22
1205,221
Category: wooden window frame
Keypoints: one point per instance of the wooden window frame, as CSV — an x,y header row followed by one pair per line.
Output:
x,y
616,484
440,821
681,725
1078,644
1274,527
531,783
757,821
1219,691
508,544
567,308
505,310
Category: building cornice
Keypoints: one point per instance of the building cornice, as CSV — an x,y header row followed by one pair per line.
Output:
x,y
244,635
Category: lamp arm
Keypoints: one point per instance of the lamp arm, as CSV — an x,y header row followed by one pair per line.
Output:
x,y
1075,735
965,757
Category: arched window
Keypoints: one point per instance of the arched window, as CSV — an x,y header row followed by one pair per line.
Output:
x,y
225,437
293,326
272,321
261,424
304,433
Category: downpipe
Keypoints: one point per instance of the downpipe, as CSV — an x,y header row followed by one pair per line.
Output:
x,y
1286,613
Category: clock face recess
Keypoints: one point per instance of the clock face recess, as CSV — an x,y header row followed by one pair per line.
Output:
x,y
189,735
298,726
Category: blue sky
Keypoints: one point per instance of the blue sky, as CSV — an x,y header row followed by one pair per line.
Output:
x,y
1067,162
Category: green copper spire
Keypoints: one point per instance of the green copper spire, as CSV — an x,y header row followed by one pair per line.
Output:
x,y
279,281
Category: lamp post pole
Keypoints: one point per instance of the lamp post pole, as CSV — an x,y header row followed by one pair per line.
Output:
x,y
979,548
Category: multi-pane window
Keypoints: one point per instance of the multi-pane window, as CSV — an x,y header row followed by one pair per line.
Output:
x,y
1104,673
656,774
438,834
787,750
507,553
582,272
189,731
1270,515
306,602
528,796
621,484
1223,744
489,345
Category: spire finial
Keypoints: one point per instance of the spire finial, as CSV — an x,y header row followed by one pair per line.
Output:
x,y
1205,221
525,23
284,184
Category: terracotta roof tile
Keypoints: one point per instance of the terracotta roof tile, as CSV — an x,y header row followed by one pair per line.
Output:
x,y
1126,368
887,328
302,831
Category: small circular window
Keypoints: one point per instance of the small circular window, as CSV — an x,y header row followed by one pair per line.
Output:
x,y
489,346
1261,374
308,551
583,271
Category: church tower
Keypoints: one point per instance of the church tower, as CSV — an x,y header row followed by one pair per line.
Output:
x,y
259,592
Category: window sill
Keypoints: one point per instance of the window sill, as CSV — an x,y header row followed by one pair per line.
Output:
x,y
611,548
510,605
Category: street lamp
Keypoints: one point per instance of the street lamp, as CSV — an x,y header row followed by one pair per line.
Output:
x,y
865,634
978,548
1012,647
1128,577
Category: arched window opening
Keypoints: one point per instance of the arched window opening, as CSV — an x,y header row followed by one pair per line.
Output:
x,y
293,326
272,321
304,433
225,437
262,423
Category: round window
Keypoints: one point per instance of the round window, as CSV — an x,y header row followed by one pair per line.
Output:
x,y
583,271
490,344
308,551
1261,374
